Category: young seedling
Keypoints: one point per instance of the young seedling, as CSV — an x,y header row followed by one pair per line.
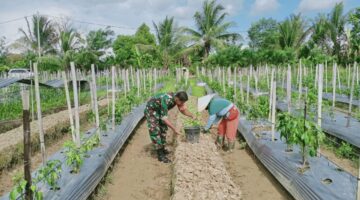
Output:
x,y
74,156
50,174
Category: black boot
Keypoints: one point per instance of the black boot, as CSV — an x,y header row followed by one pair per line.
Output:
x,y
166,152
162,157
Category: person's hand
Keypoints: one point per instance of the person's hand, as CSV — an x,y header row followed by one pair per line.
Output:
x,y
177,132
203,130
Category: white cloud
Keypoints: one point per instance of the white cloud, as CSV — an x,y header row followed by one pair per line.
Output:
x,y
313,5
123,13
261,6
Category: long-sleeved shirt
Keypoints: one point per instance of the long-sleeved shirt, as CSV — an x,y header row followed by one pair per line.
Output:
x,y
218,108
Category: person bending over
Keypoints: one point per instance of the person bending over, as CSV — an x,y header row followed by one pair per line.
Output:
x,y
156,113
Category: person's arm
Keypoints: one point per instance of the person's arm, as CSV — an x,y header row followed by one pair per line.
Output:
x,y
186,112
164,115
210,122
170,125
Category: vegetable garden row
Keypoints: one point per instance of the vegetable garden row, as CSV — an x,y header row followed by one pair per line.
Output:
x,y
284,141
74,171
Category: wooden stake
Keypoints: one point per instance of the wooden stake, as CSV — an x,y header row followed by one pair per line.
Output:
x,y
300,83
334,86
351,97
113,97
107,92
39,115
288,88
76,105
68,101
271,91
234,84
338,75
273,110
320,91
27,143
97,119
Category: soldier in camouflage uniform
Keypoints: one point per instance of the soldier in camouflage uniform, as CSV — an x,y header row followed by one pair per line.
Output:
x,y
156,113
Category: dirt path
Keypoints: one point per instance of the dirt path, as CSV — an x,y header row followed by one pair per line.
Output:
x,y
137,174
252,177
15,136
255,182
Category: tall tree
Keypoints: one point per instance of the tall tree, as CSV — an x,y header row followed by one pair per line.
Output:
x,y
167,34
354,19
336,26
47,33
144,36
292,32
99,41
263,34
211,29
3,50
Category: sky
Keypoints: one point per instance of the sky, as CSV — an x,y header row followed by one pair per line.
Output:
x,y
127,15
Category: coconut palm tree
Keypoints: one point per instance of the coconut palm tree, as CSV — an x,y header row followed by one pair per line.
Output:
x,y
211,29
167,35
292,32
69,40
47,33
336,28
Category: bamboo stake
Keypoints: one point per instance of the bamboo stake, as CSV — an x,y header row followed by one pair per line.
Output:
x,y
320,91
113,97
155,79
76,105
273,110
288,88
39,115
32,94
68,101
326,77
271,91
338,75
234,84
241,86
138,82
27,143
97,120
223,80
300,83
247,89
107,92
351,98
334,86
316,76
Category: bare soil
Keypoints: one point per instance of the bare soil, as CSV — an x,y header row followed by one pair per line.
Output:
x,y
199,172
137,174
343,163
6,176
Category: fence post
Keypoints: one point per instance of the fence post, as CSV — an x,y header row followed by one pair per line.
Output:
x,y
113,97
76,104
27,143
39,116
94,89
68,101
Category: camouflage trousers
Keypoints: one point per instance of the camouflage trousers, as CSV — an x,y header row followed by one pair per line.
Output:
x,y
157,128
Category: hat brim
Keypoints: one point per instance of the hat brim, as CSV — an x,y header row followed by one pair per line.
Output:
x,y
204,101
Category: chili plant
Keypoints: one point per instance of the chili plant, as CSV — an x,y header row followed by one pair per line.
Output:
x,y
18,192
50,174
74,156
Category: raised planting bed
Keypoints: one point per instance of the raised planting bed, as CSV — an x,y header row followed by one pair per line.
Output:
x,y
81,185
335,126
323,180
